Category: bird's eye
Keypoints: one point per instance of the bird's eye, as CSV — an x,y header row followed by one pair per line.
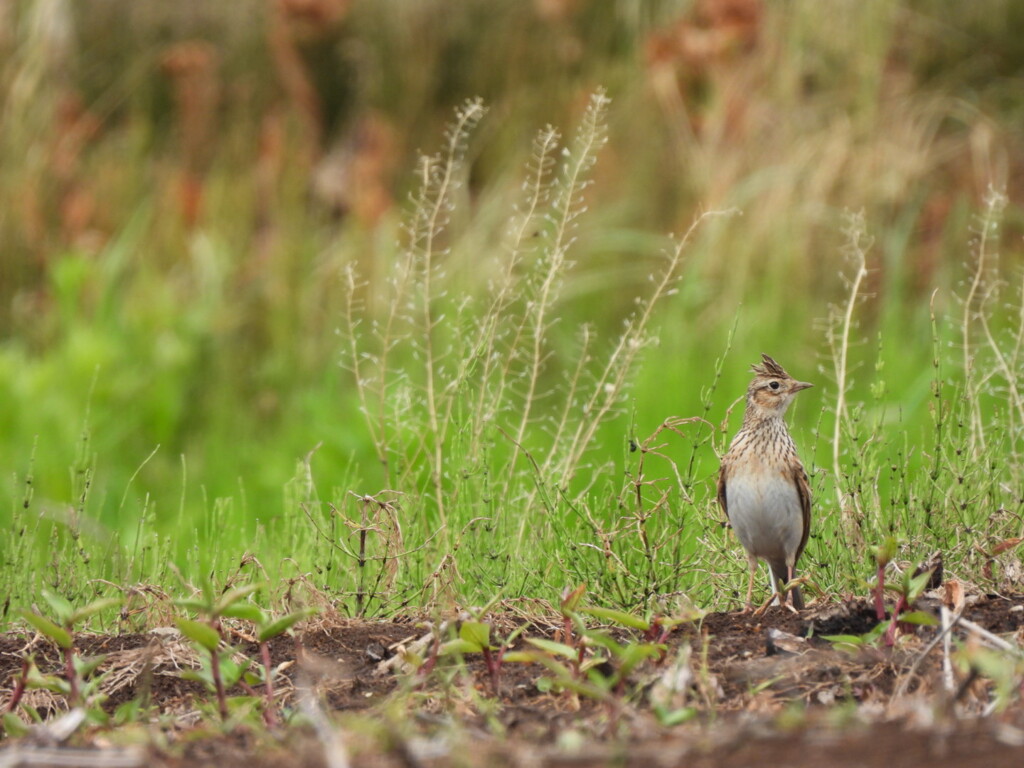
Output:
x,y
774,385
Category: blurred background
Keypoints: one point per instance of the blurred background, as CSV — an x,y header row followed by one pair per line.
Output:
x,y
182,185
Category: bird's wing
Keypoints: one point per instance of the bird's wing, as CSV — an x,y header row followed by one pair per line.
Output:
x,y
803,492
721,486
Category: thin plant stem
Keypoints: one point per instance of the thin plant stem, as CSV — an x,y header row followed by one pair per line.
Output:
x,y
857,246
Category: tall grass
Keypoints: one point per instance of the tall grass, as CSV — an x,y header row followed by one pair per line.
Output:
x,y
490,478
482,418
171,341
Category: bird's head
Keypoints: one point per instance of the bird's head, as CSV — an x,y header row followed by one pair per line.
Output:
x,y
772,389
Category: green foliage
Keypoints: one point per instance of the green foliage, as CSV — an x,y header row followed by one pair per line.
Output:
x,y
226,669
58,634
171,390
173,407
200,633
618,617
474,637
268,627
886,551
219,671
79,681
1003,668
854,643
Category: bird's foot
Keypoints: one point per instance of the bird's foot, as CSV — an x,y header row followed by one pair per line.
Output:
x,y
764,606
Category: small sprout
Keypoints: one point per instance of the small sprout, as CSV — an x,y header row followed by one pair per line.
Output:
x,y
883,554
555,649
618,617
571,599
75,683
218,671
886,551
854,643
199,633
57,634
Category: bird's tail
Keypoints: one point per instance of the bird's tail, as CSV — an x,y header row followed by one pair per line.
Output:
x,y
780,575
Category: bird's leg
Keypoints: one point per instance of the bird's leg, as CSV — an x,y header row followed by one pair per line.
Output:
x,y
794,589
749,605
765,605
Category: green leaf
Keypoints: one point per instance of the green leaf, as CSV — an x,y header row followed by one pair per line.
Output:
x,y
231,671
198,676
283,624
511,638
59,635
128,712
241,707
199,633
991,664
458,646
851,640
85,666
556,649
52,683
93,608
595,637
519,657
194,604
233,596
95,715
634,654
59,605
561,672
767,683
590,690
917,585
206,589
13,726
594,661
618,617
246,611
477,633
921,618
670,717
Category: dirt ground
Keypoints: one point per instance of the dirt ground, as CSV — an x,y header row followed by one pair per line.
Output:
x,y
758,691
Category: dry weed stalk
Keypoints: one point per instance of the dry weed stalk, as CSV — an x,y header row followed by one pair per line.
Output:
x,y
642,512
377,515
440,373
411,314
433,206
981,293
838,327
496,369
567,207
857,245
607,390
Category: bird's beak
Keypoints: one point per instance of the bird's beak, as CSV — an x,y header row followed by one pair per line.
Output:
x,y
798,385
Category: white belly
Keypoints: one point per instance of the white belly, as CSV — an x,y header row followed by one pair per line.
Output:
x,y
766,515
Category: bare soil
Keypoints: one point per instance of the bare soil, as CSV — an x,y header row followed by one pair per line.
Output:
x,y
757,697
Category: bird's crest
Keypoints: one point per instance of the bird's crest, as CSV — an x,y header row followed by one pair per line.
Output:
x,y
769,368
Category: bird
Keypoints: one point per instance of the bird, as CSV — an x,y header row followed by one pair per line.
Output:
x,y
762,485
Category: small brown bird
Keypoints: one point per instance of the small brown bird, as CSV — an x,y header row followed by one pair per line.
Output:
x,y
762,486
